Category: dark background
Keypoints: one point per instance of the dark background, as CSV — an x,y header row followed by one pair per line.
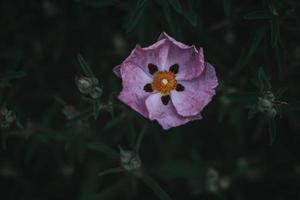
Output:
x,y
44,155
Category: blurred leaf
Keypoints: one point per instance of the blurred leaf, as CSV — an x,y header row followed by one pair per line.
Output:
x,y
279,56
252,111
97,3
177,170
111,171
82,116
167,12
140,138
272,130
176,5
264,80
103,148
155,187
259,14
242,98
297,19
227,7
257,38
85,67
274,27
10,76
113,122
96,108
279,93
190,13
135,15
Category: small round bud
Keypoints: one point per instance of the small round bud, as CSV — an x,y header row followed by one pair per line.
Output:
x,y
130,160
96,93
70,112
10,116
212,180
85,84
264,104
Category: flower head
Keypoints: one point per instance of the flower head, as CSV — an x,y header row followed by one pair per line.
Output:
x,y
168,82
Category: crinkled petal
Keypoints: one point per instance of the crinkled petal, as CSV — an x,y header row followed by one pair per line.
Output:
x,y
133,94
164,35
117,71
155,54
190,60
166,115
197,94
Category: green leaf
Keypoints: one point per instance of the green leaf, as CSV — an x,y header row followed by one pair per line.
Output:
x,y
227,7
177,170
275,31
135,15
82,116
279,56
168,15
111,171
112,123
85,67
252,111
155,187
103,148
257,38
10,76
272,130
259,14
96,108
190,13
264,80
97,3
176,5
140,138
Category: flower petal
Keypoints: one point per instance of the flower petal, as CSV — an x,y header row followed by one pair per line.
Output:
x,y
133,94
166,36
117,71
189,59
155,54
166,115
197,94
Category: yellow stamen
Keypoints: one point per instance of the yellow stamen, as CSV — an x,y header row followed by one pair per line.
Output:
x,y
164,82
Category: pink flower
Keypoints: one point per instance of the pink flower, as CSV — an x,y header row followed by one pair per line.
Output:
x,y
168,82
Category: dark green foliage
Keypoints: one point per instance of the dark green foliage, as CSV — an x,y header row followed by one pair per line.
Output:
x,y
62,141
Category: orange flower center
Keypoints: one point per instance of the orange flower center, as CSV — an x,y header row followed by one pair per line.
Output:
x,y
164,82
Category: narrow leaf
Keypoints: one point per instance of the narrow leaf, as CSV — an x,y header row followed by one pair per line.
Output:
x,y
176,5
227,7
155,187
190,13
259,14
140,138
84,65
10,76
103,148
111,171
135,15
97,3
272,130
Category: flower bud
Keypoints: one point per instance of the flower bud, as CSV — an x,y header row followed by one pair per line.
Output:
x,y
96,93
70,112
130,160
264,104
85,84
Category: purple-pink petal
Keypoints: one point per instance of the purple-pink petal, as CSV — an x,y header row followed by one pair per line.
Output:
x,y
155,54
134,80
197,94
117,71
165,115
